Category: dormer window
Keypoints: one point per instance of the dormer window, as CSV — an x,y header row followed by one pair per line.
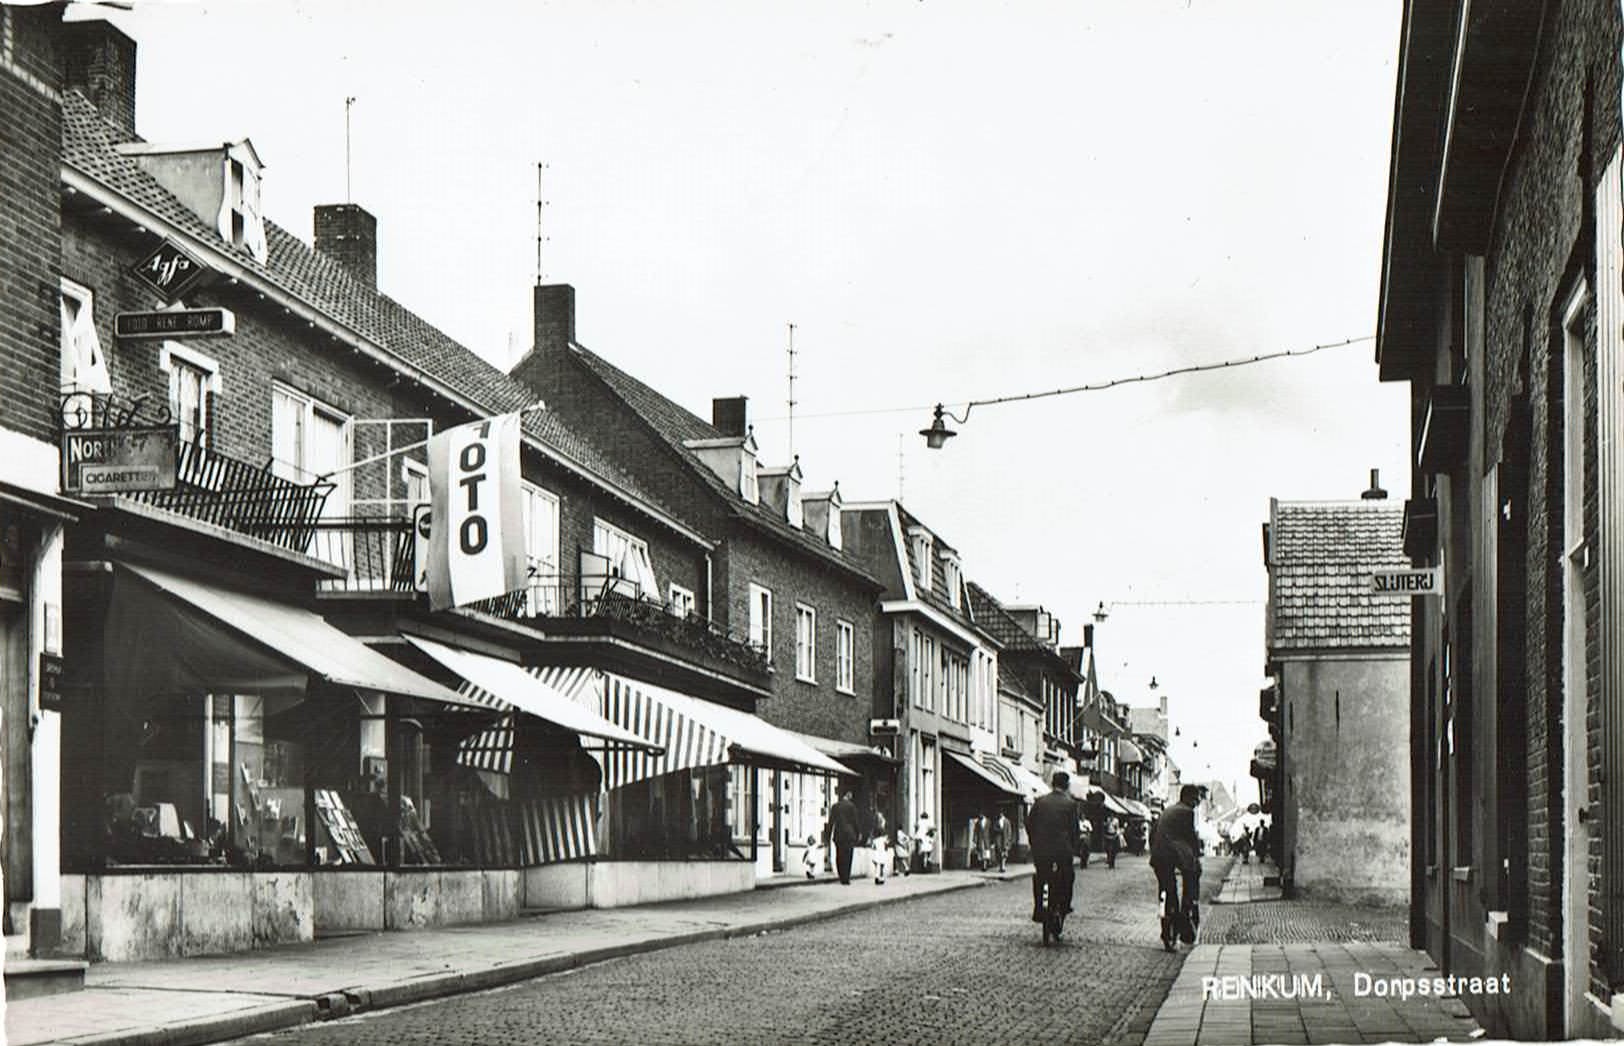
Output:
x,y
950,576
923,550
780,491
241,222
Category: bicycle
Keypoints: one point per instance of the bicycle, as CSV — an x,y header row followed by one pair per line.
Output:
x,y
1189,913
1053,914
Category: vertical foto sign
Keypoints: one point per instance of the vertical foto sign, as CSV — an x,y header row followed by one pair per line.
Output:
x,y
476,549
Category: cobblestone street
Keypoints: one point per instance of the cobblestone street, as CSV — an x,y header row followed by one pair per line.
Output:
x,y
966,967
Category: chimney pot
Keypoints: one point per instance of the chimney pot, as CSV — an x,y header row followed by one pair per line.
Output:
x,y
1375,493
730,415
348,233
1088,636
99,60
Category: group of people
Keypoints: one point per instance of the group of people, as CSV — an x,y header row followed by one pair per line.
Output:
x,y
1055,834
848,830
1248,833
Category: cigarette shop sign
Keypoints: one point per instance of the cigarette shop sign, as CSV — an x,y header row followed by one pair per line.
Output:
x,y
1404,583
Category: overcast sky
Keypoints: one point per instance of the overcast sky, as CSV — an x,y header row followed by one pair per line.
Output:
x,y
950,201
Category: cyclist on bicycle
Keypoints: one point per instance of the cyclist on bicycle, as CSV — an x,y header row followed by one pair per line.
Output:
x,y
1052,833
1175,850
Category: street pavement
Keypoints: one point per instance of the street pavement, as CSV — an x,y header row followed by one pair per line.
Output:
x,y
962,967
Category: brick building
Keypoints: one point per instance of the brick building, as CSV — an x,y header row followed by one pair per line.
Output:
x,y
239,767
1501,305
1339,655
781,576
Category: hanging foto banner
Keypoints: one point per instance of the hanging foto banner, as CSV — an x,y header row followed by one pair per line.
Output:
x,y
476,549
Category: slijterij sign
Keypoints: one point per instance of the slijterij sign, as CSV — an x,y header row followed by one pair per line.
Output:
x,y
1426,581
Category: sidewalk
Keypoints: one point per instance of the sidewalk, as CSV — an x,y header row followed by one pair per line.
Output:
x,y
1327,988
1244,883
210,998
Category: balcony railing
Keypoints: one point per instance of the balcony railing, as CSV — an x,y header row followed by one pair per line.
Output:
x,y
250,499
377,554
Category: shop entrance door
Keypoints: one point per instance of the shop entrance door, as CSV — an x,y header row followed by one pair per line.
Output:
x,y
14,836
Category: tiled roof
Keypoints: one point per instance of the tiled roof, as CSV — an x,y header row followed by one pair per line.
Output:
x,y
676,425
937,596
1008,680
1321,557
89,146
993,619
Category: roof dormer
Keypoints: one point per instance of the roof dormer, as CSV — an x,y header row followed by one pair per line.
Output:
x,y
781,490
221,184
733,458
823,515
922,547
952,577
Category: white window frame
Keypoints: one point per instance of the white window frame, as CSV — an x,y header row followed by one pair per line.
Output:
x,y
845,656
679,600
761,619
806,643
642,571
836,536
950,578
543,590
298,471
924,549
749,482
174,359
79,343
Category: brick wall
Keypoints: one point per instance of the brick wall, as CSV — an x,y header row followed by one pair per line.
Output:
x,y
1542,243
814,708
30,165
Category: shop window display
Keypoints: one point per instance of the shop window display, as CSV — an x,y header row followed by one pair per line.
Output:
x,y
684,815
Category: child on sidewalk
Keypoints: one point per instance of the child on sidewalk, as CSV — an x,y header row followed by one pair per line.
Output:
x,y
812,858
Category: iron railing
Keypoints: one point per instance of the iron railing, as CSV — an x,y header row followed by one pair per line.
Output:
x,y
376,553
250,499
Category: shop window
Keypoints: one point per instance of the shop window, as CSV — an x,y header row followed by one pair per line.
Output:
x,y
690,814
205,779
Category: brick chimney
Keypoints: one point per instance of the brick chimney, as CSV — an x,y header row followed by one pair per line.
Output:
x,y
731,415
348,233
554,317
99,60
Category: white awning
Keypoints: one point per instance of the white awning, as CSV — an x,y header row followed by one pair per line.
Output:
x,y
513,685
297,636
694,733
1024,780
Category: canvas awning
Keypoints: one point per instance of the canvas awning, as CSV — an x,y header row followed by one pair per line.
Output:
x,y
168,634
1137,809
993,779
694,733
1128,752
1110,802
1021,779
512,685
846,752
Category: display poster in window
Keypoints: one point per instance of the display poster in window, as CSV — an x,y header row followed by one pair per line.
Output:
x,y
476,547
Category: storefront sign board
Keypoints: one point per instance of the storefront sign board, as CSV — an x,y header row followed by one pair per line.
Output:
x,y
1427,581
175,323
115,461
50,682
169,270
476,547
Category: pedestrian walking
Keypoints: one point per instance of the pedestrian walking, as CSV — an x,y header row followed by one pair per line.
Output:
x,y
880,841
925,841
1113,841
1000,830
844,832
978,842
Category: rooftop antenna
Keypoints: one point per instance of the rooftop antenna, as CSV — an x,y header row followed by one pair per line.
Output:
x,y
899,466
791,400
540,238
349,102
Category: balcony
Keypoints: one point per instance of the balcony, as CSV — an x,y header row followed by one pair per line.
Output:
x,y
216,488
607,622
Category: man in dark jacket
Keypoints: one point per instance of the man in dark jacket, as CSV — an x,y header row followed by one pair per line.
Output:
x,y
844,831
1175,850
1053,835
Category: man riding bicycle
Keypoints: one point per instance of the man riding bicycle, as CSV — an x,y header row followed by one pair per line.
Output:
x,y
1175,852
1053,834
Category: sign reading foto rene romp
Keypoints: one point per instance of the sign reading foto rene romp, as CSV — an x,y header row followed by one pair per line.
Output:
x,y
174,323
1426,581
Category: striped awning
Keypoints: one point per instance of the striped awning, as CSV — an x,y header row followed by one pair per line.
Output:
x,y
694,733
980,770
561,828
1019,777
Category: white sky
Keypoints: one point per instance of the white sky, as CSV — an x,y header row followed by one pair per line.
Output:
x,y
951,201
